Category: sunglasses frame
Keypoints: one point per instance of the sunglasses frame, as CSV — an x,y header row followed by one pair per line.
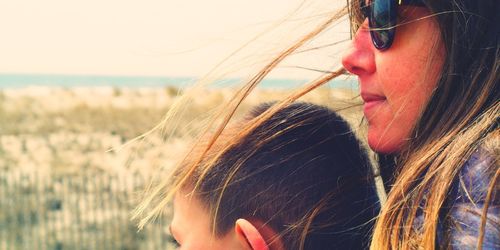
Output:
x,y
382,32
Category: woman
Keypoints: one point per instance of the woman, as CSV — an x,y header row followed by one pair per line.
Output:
x,y
428,74
431,99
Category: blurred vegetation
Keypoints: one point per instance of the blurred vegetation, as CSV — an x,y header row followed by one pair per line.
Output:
x,y
126,122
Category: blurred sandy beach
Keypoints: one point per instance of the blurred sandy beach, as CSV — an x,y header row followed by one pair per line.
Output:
x,y
52,129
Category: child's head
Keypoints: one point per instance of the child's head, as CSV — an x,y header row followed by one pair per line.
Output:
x,y
301,179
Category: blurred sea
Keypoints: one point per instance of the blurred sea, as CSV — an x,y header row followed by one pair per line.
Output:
x,y
26,80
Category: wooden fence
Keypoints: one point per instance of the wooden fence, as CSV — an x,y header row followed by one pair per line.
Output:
x,y
77,212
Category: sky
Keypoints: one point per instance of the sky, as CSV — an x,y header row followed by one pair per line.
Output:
x,y
146,37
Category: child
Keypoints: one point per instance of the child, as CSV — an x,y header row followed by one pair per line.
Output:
x,y
298,181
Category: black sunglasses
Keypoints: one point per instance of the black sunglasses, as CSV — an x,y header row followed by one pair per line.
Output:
x,y
382,19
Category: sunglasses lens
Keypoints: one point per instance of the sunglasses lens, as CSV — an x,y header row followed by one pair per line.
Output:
x,y
382,20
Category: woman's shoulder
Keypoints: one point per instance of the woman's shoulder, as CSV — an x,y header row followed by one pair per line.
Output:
x,y
476,175
473,196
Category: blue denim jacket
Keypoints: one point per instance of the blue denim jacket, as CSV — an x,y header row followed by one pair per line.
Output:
x,y
461,220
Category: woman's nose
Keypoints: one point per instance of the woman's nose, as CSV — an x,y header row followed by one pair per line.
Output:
x,y
360,58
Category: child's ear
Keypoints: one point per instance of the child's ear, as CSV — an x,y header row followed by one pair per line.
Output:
x,y
249,237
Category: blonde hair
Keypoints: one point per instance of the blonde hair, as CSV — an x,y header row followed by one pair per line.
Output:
x,y
425,180
159,195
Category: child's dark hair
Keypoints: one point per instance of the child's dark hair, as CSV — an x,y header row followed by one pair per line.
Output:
x,y
302,172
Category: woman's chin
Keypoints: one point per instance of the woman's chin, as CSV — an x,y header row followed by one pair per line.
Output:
x,y
383,143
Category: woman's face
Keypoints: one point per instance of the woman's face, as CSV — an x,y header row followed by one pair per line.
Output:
x,y
396,83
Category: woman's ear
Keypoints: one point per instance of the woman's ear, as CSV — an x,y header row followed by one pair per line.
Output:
x,y
249,237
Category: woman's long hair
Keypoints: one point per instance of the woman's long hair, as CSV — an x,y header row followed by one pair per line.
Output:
x,y
460,116
159,195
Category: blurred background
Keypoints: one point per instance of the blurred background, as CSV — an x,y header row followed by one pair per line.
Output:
x,y
81,81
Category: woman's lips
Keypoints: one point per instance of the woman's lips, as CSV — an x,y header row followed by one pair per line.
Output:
x,y
371,101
